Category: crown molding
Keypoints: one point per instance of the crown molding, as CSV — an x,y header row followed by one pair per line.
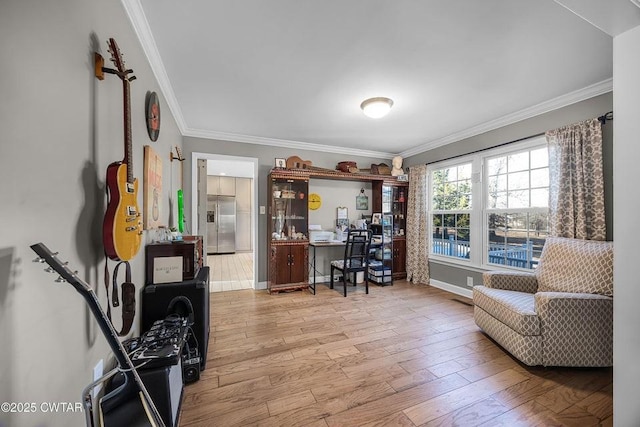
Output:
x,y
590,91
285,143
138,20
134,10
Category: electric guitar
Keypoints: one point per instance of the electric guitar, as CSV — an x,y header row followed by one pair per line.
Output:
x,y
122,226
130,403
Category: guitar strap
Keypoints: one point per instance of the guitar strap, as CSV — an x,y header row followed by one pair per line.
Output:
x,y
128,295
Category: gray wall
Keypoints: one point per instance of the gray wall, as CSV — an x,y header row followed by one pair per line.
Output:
x,y
626,316
587,109
266,156
59,129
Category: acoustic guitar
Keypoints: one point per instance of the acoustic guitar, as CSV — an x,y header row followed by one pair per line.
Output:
x,y
295,162
122,226
130,403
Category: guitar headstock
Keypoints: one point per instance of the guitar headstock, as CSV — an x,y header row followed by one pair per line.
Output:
x,y
117,59
179,155
56,265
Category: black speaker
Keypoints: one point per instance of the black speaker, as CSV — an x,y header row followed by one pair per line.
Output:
x,y
187,299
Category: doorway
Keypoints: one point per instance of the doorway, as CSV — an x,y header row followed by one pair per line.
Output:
x,y
214,177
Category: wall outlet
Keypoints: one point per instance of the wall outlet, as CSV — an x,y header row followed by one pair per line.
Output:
x,y
98,370
470,281
262,210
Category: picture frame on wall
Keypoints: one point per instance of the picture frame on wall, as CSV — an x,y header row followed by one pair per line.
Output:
x,y
152,188
281,163
362,201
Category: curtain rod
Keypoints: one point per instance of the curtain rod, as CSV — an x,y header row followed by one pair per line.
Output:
x,y
608,116
603,119
486,149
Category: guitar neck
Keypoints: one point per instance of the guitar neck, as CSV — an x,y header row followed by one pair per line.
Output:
x,y
124,362
128,150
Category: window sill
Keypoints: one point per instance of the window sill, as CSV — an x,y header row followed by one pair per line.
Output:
x,y
472,267
466,265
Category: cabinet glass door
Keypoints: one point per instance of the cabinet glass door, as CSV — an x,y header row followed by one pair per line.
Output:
x,y
289,209
398,209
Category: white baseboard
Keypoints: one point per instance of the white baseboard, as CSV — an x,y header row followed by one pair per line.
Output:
x,y
454,289
261,286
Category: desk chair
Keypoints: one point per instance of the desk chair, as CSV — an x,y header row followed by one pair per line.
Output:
x,y
356,258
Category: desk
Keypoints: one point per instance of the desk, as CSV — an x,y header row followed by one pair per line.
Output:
x,y
315,245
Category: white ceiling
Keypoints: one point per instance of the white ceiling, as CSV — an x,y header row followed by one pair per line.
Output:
x,y
293,73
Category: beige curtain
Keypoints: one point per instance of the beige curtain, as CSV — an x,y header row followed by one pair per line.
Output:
x,y
417,237
576,183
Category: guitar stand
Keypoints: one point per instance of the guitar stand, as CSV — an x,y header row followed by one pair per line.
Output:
x,y
88,391
100,69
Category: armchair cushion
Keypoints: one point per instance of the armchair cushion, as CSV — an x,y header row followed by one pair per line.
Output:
x,y
515,309
576,266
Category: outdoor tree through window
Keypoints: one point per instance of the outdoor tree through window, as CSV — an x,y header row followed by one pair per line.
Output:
x,y
451,207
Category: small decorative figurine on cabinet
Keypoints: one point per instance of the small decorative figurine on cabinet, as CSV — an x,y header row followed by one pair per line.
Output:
x,y
397,166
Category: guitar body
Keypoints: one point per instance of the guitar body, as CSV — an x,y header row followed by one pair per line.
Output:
x,y
295,162
122,227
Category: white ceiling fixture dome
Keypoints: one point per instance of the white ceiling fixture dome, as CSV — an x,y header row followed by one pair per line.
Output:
x,y
376,107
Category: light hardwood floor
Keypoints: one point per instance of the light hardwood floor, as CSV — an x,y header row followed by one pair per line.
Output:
x,y
404,355
231,272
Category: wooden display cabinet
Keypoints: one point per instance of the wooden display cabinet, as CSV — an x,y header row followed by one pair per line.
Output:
x,y
399,257
288,237
392,197
288,266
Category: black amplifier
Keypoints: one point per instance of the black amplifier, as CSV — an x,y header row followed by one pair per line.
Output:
x,y
188,299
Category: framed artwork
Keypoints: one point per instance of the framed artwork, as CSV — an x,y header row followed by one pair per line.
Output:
x,y
281,163
152,188
376,218
342,212
362,201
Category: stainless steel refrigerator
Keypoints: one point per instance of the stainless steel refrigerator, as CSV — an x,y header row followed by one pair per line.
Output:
x,y
221,224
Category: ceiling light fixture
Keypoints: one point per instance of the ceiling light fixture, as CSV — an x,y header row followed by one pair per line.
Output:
x,y
376,107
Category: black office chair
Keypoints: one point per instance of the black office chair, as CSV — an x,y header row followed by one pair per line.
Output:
x,y
356,258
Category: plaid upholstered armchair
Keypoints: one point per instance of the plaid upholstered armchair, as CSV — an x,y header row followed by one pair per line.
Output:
x,y
559,315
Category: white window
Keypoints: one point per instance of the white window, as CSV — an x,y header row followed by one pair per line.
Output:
x,y
499,217
451,207
516,210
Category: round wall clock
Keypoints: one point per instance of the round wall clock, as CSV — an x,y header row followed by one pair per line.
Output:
x,y
315,201
152,114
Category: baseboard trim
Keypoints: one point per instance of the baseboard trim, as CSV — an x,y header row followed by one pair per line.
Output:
x,y
261,286
454,289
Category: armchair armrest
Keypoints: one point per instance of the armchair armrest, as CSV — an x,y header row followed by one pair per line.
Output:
x,y
577,328
557,305
511,281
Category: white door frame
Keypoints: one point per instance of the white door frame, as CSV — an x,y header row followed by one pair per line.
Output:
x,y
254,208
